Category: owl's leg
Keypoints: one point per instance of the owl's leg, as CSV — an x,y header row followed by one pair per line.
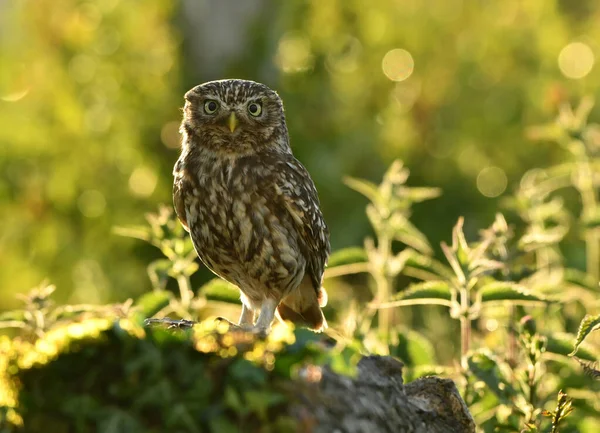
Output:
x,y
266,315
247,316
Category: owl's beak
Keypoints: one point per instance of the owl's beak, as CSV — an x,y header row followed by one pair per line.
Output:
x,y
232,122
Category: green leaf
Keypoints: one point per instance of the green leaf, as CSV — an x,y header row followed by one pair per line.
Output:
x,y
347,256
592,221
480,267
563,409
460,246
366,188
179,415
243,371
396,263
159,272
581,279
220,290
561,343
547,210
434,292
419,194
436,289
14,315
152,302
345,362
183,267
137,232
538,238
503,291
116,420
454,263
411,347
259,401
487,368
71,311
233,400
396,174
404,231
426,268
588,324
222,425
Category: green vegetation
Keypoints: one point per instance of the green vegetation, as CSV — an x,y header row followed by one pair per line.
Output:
x,y
95,372
483,265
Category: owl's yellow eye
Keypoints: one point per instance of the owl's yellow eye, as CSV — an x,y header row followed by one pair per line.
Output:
x,y
210,106
254,108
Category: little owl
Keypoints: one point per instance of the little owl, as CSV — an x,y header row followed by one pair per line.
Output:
x,y
251,208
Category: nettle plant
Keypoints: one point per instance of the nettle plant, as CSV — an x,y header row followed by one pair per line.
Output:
x,y
513,274
502,273
179,263
389,213
573,132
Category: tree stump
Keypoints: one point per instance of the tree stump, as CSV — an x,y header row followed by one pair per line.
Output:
x,y
378,401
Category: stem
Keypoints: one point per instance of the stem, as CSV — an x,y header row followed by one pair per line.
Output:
x,y
512,337
465,322
407,302
589,206
465,335
592,250
384,282
352,268
185,291
532,388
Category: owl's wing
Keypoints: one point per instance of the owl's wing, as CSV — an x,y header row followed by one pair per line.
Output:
x,y
298,194
178,196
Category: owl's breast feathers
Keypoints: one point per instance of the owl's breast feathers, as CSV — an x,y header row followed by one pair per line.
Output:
x,y
253,209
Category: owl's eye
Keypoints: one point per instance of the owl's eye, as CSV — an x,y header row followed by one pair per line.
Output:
x,y
210,106
254,108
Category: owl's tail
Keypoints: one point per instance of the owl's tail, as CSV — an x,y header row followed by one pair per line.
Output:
x,y
303,306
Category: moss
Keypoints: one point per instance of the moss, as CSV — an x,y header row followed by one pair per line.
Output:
x,y
117,376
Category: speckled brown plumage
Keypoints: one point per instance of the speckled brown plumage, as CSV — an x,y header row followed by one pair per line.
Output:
x,y
251,208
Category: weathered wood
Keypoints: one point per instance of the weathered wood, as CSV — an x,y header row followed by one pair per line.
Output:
x,y
377,401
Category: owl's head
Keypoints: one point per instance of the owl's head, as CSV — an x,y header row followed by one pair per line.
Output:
x,y
234,117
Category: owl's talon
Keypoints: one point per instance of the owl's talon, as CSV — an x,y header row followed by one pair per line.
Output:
x,y
259,331
181,324
224,320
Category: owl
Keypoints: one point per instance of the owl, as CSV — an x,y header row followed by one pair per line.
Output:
x,y
250,206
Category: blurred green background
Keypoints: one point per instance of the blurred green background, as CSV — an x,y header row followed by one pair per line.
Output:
x,y
91,91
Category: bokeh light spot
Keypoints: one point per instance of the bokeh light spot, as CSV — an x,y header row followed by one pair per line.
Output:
x,y
98,118
108,43
169,135
405,94
398,64
491,325
294,54
91,203
82,68
576,60
142,182
15,96
14,83
491,181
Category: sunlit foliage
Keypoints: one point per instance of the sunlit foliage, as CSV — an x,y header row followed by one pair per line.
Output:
x,y
471,96
85,88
